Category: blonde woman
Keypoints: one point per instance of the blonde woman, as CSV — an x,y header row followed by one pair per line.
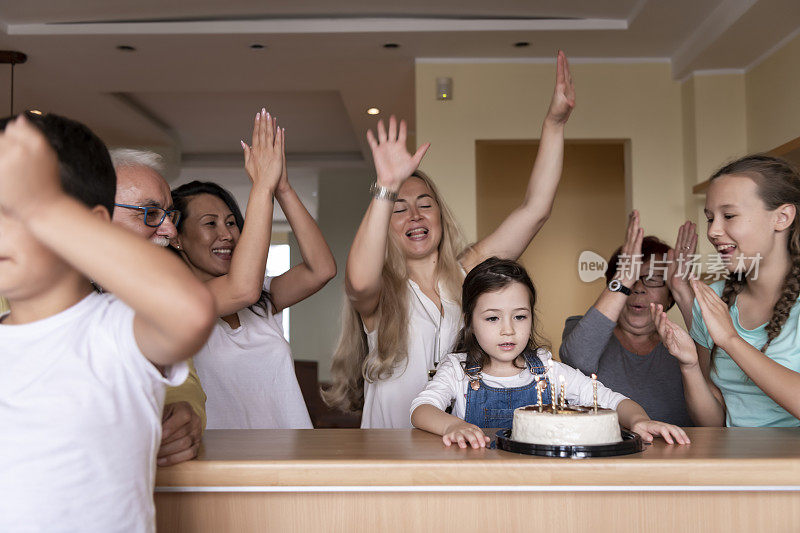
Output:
x,y
407,263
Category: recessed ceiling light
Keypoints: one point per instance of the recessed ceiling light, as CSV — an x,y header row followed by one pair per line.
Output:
x,y
391,45
373,111
522,44
35,112
257,46
126,48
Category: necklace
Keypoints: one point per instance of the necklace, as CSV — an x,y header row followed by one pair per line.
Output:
x,y
437,322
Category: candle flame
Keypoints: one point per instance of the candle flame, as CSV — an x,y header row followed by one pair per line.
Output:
x,y
561,379
594,376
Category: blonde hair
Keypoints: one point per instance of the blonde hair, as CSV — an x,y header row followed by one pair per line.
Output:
x,y
352,362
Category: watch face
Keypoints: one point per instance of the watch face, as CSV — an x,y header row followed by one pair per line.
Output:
x,y
614,285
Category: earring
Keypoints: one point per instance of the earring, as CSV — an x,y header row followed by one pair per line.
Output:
x,y
177,246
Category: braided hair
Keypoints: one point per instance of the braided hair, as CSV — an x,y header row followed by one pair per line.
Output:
x,y
778,184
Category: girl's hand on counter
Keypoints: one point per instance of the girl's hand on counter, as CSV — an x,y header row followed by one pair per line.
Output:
x,y
463,433
648,429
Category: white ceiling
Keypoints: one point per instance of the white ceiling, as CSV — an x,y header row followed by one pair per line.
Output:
x,y
193,83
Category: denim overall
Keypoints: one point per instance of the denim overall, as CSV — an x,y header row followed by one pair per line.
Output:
x,y
490,407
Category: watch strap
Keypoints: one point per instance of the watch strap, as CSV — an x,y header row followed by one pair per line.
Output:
x,y
616,285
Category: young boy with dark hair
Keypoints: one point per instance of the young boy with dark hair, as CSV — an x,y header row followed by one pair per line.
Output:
x,y
83,374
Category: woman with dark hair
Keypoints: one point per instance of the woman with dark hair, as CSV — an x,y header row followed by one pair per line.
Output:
x,y
617,338
246,367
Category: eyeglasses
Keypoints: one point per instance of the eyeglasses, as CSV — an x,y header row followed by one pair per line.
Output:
x,y
155,216
652,281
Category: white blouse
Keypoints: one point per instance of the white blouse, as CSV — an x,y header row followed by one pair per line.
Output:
x,y
431,336
248,375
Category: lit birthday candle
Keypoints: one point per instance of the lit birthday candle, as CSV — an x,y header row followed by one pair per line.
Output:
x,y
563,396
552,384
538,392
594,391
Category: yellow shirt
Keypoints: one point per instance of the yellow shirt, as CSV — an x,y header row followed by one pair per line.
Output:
x,y
191,392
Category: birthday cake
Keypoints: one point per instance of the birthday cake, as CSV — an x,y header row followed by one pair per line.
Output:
x,y
565,426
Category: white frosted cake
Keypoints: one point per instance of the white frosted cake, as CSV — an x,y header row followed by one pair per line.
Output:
x,y
566,426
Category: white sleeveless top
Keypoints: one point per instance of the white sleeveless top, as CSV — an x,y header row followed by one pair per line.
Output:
x,y
248,375
431,336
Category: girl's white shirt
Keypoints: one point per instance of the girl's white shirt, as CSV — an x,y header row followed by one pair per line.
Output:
x,y
451,382
431,335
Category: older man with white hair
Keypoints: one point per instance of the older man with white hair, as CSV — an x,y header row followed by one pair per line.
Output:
x,y
143,204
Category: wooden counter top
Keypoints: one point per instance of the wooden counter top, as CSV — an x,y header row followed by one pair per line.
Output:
x,y
768,457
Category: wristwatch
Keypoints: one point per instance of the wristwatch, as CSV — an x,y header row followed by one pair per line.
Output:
x,y
616,285
382,193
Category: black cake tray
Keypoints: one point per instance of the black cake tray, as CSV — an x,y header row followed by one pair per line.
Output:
x,y
630,443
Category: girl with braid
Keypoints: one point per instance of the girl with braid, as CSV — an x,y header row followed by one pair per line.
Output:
x,y
743,368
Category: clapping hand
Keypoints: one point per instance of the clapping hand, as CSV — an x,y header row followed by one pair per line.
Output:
x,y
264,160
393,163
563,101
679,261
716,314
628,273
677,341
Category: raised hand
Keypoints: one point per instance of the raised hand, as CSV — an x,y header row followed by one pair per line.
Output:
x,y
393,163
677,341
716,314
28,169
629,271
264,160
679,267
563,101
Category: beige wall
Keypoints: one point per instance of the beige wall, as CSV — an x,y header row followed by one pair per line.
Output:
x,y
715,132
773,99
636,102
315,322
589,215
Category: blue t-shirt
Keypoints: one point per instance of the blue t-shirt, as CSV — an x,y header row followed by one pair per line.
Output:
x,y
747,405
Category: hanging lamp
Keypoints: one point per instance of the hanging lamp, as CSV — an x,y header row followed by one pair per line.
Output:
x,y
11,57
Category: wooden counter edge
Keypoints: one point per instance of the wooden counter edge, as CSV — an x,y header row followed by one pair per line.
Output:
x,y
725,472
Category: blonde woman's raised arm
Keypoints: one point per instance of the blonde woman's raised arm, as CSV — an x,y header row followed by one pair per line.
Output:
x,y
365,261
515,233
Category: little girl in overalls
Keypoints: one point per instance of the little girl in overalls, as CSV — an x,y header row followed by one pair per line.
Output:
x,y
500,363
